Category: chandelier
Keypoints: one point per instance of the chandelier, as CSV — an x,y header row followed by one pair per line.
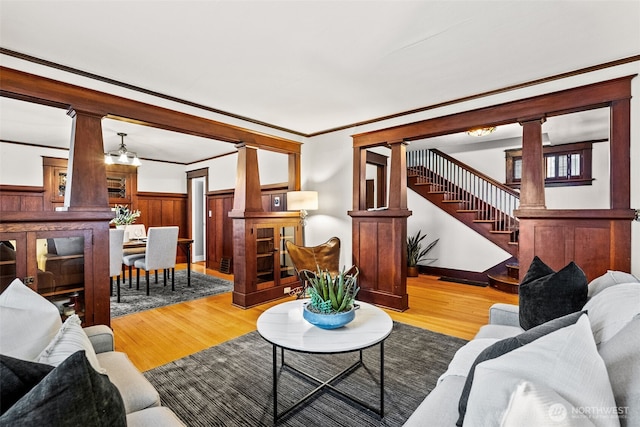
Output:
x,y
122,156
482,131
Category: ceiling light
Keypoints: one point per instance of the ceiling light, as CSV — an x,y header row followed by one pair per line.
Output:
x,y
122,155
483,131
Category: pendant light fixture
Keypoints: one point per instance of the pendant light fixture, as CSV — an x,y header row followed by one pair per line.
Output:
x,y
481,131
122,156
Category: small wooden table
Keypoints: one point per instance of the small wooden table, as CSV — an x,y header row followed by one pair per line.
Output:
x,y
283,326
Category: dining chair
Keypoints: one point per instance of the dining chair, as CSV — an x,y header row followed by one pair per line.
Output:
x,y
160,254
116,238
134,231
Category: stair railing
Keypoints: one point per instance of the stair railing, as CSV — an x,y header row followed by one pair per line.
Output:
x,y
476,191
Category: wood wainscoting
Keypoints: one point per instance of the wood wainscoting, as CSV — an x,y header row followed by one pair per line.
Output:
x,y
163,210
21,198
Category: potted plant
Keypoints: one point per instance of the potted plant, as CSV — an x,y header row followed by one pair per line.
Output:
x,y
124,216
332,298
415,252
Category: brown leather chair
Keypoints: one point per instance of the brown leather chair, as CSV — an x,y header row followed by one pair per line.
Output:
x,y
311,258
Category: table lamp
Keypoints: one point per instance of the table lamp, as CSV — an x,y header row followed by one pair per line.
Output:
x,y
303,201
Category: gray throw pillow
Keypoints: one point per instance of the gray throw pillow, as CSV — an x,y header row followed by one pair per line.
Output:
x,y
508,344
545,295
72,394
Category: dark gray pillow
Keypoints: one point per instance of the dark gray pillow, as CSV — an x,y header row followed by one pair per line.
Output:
x,y
545,295
72,394
17,378
508,344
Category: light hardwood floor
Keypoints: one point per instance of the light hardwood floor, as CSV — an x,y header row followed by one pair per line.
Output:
x,y
155,337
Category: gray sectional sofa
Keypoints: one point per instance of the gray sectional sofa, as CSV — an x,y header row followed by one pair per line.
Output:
x,y
582,369
141,400
55,373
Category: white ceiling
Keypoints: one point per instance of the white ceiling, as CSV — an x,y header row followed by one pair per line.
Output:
x,y
307,66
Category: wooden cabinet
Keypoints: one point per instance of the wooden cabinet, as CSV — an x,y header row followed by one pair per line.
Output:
x,y
121,183
262,266
58,255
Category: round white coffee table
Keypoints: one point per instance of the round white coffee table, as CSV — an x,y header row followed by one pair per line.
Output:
x,y
283,326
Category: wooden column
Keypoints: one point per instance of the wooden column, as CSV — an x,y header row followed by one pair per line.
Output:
x,y
359,195
532,182
619,155
247,197
398,176
86,173
380,237
294,172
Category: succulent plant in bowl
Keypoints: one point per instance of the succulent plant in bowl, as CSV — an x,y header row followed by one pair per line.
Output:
x,y
332,298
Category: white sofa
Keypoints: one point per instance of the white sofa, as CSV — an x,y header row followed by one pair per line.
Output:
x,y
584,374
31,330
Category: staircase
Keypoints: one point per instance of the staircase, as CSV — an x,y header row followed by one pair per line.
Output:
x,y
478,201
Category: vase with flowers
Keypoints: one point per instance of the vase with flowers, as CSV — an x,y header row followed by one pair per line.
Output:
x,y
124,216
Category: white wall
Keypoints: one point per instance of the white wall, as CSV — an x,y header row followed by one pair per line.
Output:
x,y
273,169
160,177
327,168
22,164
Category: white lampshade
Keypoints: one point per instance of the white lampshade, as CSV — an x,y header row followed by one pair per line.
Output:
x,y
302,200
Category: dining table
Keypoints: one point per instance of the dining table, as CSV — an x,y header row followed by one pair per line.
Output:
x,y
183,243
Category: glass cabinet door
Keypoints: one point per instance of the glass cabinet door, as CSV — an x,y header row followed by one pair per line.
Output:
x,y
265,249
273,263
287,268
61,270
12,247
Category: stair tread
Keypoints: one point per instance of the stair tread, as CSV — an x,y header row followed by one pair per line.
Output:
x,y
504,278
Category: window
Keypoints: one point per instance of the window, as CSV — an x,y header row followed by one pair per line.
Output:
x,y
568,164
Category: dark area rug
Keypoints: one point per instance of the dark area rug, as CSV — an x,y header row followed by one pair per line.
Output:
x,y
133,301
231,384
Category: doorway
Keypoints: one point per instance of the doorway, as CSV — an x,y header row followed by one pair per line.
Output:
x,y
198,217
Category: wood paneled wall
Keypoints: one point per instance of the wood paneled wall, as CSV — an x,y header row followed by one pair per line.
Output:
x,y
220,226
163,209
20,198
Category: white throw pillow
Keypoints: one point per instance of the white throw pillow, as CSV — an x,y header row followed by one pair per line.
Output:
x,y
566,361
610,278
611,309
69,339
536,405
28,322
621,355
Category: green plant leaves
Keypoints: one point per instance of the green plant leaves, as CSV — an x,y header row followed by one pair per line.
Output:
x,y
332,294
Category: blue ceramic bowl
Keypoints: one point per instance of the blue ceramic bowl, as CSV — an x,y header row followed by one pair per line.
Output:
x,y
328,321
